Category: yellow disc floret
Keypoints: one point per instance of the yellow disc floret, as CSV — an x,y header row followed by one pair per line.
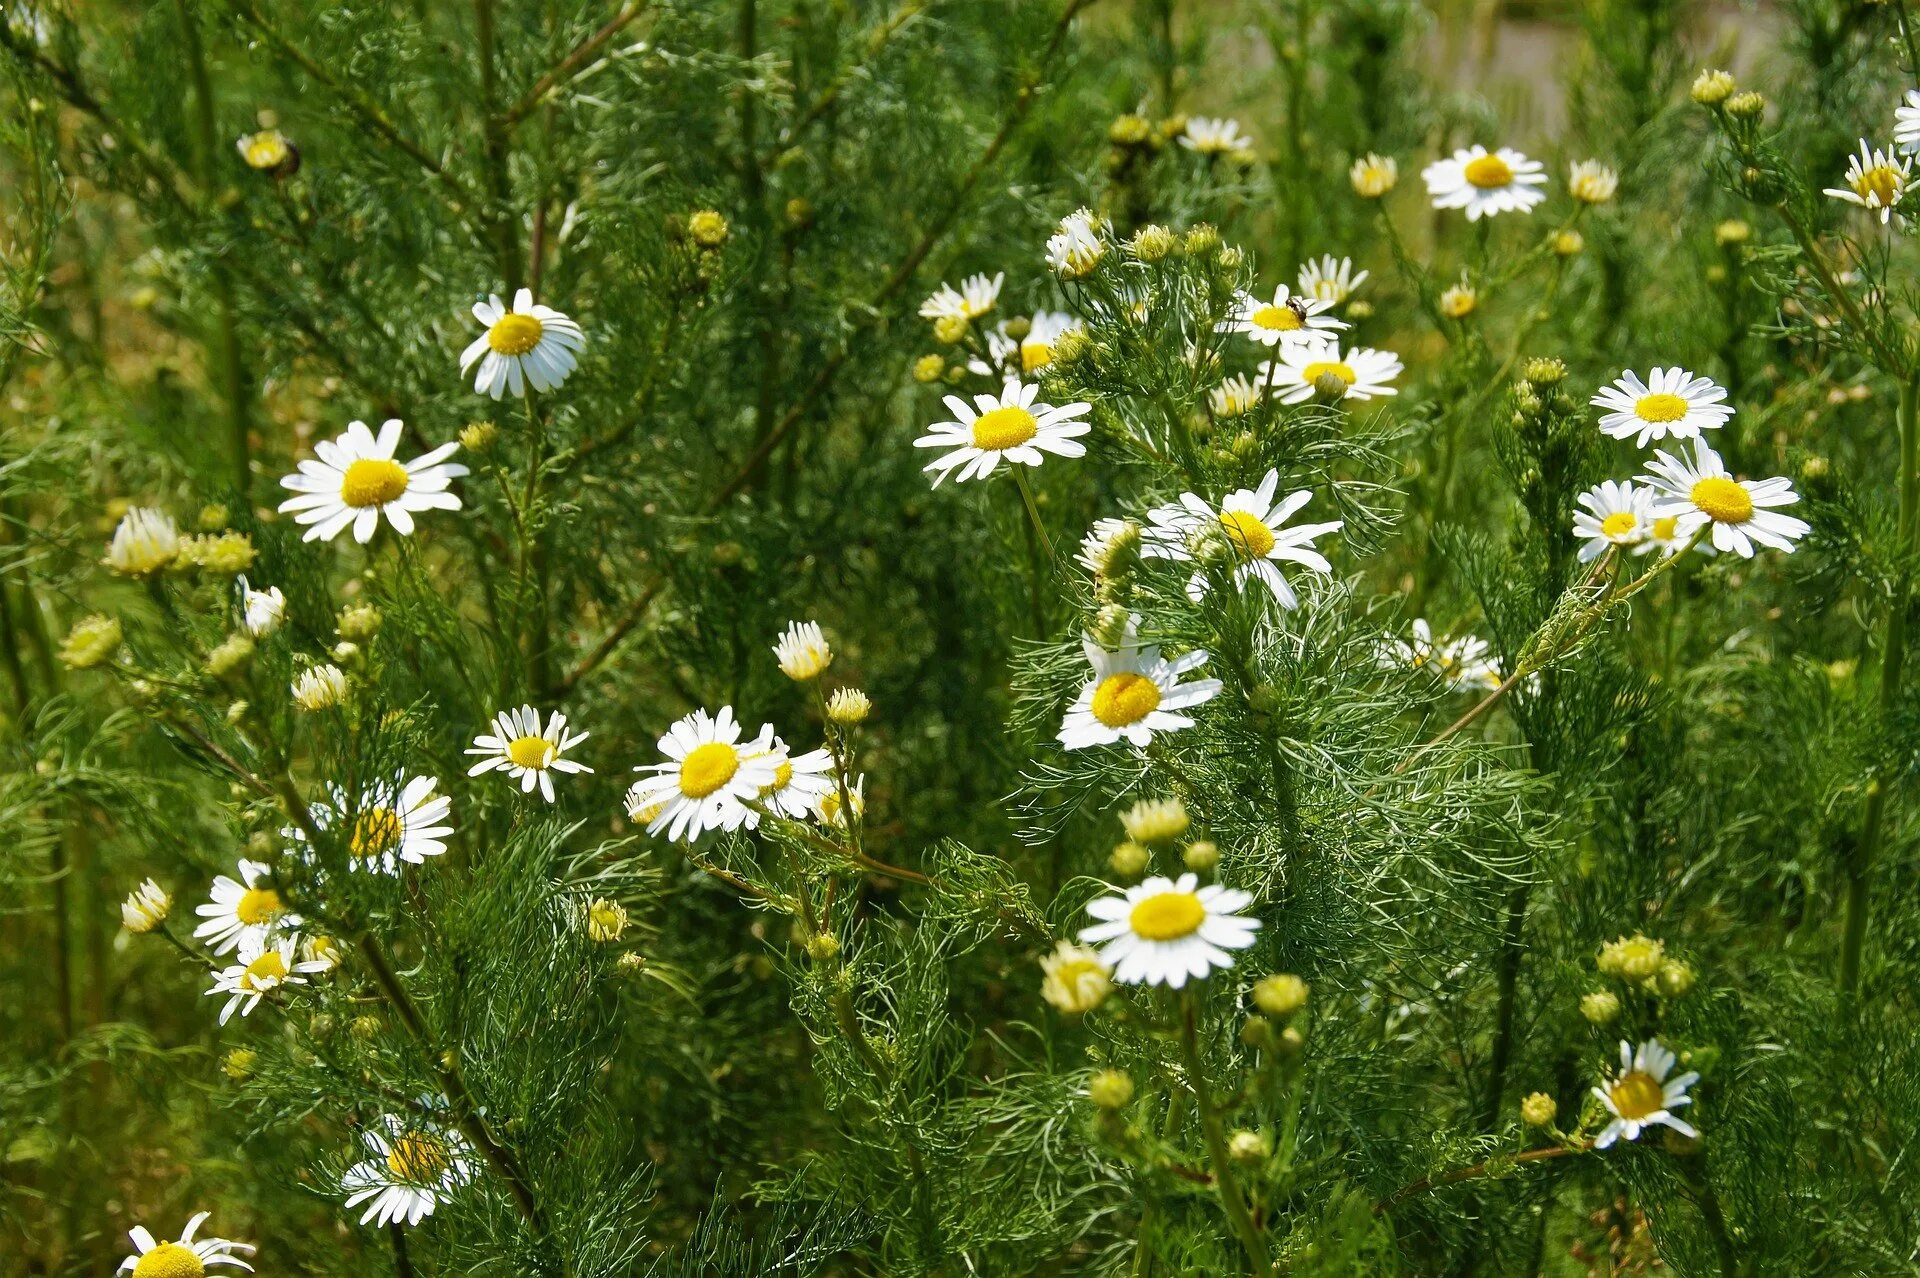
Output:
x,y
1660,407
1880,184
1636,1094
515,334
1167,916
374,831
373,481
1487,172
1248,535
170,1260
1278,319
417,1158
1620,523
265,972
1723,500
1315,371
257,906
531,752
708,767
1006,427
1125,698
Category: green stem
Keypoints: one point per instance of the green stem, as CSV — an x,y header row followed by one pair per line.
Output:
x,y
1232,1200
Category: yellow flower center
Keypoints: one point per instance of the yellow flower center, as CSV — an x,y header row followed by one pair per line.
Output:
x,y
1665,528
257,906
1724,501
531,752
1660,407
266,151
1636,1094
515,334
265,972
1620,523
1278,319
1005,427
1488,172
1248,535
1315,371
1035,355
708,767
417,1158
1881,184
374,831
170,1260
373,481
1167,916
782,777
1125,698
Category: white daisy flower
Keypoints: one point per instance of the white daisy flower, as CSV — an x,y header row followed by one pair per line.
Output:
x,y
527,345
1134,693
1485,182
1074,979
1615,514
1076,248
145,908
975,297
1235,397
1035,350
144,541
827,809
1592,182
1162,931
261,610
1671,402
1701,491
260,968
1254,528
1010,425
186,1258
799,782
396,821
1103,540
1363,371
1642,1096
1330,279
1210,136
414,1167
1288,319
319,688
242,910
803,651
1876,180
1906,123
1663,535
527,752
355,480
707,781
1464,663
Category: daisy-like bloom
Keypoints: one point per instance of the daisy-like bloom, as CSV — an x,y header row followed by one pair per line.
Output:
x,y
1485,182
1074,979
1035,350
527,752
242,910
145,908
1161,931
1701,491
1076,248
803,651
1876,180
353,480
708,780
525,345
1592,182
322,950
261,610
1235,397
1460,300
975,297
1464,663
1906,123
606,921
1642,1095
1671,402
1155,820
1364,372
185,1258
827,811
1330,279
91,641
267,150
1010,425
1134,693
1254,528
320,688
1211,137
1290,318
260,968
396,821
1615,514
1374,175
413,1167
799,781
144,542
1663,535
1101,550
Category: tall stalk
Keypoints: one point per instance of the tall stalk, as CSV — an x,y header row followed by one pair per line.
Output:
x,y
1232,1199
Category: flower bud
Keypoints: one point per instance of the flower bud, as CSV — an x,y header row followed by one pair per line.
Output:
x,y
707,229
1128,860
1151,243
848,707
1601,1007
1280,995
1248,1146
1711,88
1110,1089
478,437
1202,856
929,368
1538,1110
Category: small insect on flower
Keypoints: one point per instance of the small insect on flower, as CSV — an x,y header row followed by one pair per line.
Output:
x,y
1076,248
261,967
320,688
414,1167
145,908
707,781
186,1258
975,297
1253,527
1161,931
1213,137
1074,979
1373,176
1642,1095
353,480
1876,180
1463,663
1360,373
1614,514
261,610
1702,492
525,345
1134,693
390,823
1671,402
1485,182
242,911
1330,279
799,781
527,752
1290,318
803,651
144,542
1010,426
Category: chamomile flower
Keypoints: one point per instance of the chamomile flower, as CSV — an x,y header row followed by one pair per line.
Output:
x,y
1235,397
1210,137
527,752
260,968
827,811
353,480
1134,693
1010,426
1035,349
1876,180
144,541
1374,176
267,151
525,345
261,610
390,823
975,297
186,1258
145,908
1701,492
1362,371
1670,402
1254,528
413,1167
803,651
1288,319
1613,513
1485,182
1163,931
1663,535
1642,1095
708,779
1464,663
1074,979
1592,182
1077,246
1330,279
1102,549
242,910
319,688
1906,123
799,782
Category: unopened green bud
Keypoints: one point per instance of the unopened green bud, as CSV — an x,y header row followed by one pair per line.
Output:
x,y
1110,1089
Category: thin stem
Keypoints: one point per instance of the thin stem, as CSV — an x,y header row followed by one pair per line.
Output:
x,y
1212,1131
1491,1166
1512,951
572,62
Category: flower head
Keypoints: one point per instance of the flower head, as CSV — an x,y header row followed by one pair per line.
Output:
x,y
1077,247
1034,347
606,920
1485,182
803,651
1330,279
387,824
975,297
91,641
145,908
1074,979
1613,514
1642,1096
1161,931
267,151
799,781
354,480
144,542
260,968
1155,820
708,779
1592,182
1254,528
413,1166
1134,693
1358,373
1009,426
1876,180
1671,402
1463,663
186,1258
1289,319
1700,492
1373,176
527,752
320,687
525,345
849,706
261,610
1211,137
243,910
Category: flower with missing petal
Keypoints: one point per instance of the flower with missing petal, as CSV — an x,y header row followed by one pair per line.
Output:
x,y
526,345
1876,180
